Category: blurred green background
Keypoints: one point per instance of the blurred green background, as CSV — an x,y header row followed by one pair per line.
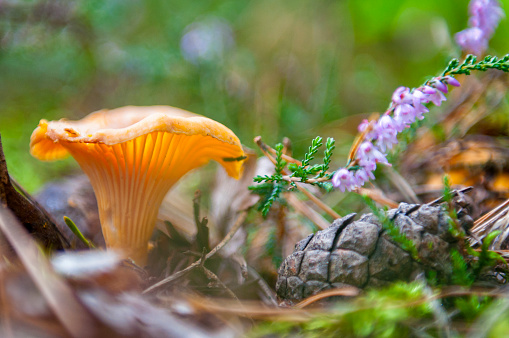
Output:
x,y
275,68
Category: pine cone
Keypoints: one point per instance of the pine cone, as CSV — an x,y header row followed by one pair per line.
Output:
x,y
362,254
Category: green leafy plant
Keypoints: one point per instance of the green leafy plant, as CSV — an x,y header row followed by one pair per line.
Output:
x,y
271,186
454,226
485,257
76,231
470,307
461,270
305,170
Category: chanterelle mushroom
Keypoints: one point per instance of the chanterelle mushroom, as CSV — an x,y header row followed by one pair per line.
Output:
x,y
133,156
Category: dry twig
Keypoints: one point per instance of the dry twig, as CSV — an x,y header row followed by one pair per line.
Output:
x,y
307,211
349,291
377,196
267,291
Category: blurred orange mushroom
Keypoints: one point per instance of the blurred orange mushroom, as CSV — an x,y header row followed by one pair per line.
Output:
x,y
133,156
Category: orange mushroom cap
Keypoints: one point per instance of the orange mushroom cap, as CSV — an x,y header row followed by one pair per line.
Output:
x,y
133,156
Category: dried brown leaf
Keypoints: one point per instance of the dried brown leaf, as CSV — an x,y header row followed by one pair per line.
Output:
x,y
129,314
61,299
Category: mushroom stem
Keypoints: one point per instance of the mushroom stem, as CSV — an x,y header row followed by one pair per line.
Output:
x,y
127,196
130,180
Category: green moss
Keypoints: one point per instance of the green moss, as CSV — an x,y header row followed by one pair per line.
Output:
x,y
389,312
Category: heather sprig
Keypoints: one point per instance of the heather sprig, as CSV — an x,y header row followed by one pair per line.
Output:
x,y
271,186
484,18
407,106
376,136
470,63
313,174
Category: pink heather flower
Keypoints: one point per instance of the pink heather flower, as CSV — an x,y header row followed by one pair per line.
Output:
x,y
368,166
404,115
369,154
472,40
419,111
419,107
386,132
485,14
484,18
439,85
402,96
450,80
362,127
419,97
343,179
437,98
366,172
427,90
362,176
407,106
422,95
